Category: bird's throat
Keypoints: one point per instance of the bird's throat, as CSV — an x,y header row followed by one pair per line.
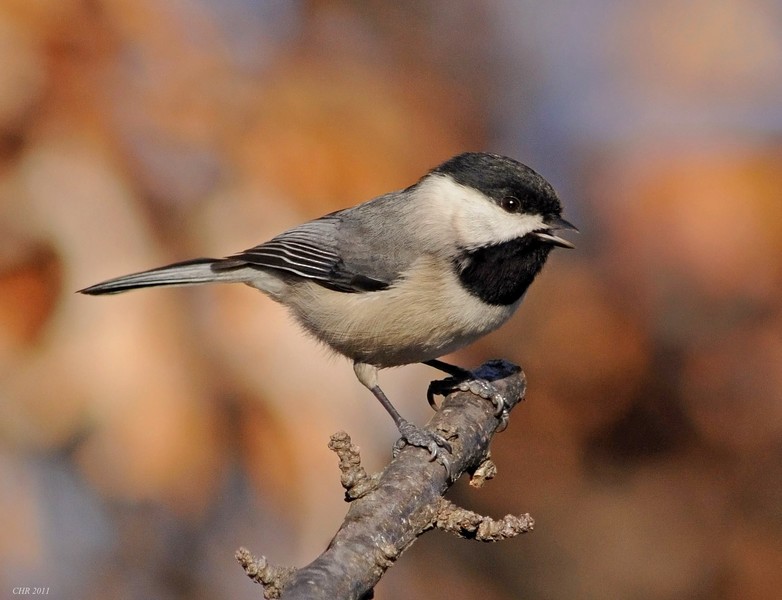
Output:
x,y
500,274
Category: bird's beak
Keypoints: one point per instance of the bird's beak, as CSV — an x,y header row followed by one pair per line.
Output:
x,y
555,224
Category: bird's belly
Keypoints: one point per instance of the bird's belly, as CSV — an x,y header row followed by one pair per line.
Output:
x,y
399,325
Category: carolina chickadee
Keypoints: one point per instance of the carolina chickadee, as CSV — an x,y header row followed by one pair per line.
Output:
x,y
406,277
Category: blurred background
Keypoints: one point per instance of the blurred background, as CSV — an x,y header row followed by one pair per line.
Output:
x,y
144,437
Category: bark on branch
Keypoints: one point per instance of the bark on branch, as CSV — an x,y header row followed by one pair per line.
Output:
x,y
388,511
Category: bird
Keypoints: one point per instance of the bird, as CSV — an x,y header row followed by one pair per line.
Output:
x,y
406,277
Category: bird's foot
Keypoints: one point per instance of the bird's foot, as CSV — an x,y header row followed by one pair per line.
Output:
x,y
436,444
474,385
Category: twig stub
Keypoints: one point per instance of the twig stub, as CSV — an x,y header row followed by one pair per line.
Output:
x,y
354,477
272,578
468,524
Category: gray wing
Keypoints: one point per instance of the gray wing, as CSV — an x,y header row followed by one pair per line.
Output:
x,y
312,251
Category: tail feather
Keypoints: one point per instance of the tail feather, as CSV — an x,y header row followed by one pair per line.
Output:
x,y
191,272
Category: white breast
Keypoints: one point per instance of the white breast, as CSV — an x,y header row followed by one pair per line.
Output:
x,y
401,325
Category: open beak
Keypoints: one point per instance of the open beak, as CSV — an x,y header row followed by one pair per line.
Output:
x,y
555,224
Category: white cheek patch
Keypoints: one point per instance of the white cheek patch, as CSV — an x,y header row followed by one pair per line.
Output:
x,y
475,219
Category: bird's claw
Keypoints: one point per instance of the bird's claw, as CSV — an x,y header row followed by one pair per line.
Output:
x,y
436,444
440,387
484,389
479,387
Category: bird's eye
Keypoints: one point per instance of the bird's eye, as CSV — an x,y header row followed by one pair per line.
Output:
x,y
510,204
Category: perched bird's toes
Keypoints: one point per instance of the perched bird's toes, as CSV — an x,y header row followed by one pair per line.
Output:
x,y
443,460
421,438
504,416
436,444
484,389
440,387
479,387
398,445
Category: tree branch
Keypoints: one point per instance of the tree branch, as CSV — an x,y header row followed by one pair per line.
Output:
x,y
390,510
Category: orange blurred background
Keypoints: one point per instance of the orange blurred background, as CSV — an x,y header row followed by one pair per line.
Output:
x,y
144,437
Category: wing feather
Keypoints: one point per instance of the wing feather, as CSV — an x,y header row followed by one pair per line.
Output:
x,y
311,251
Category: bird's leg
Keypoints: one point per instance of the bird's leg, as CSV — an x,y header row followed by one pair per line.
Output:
x,y
464,380
411,434
452,370
443,387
